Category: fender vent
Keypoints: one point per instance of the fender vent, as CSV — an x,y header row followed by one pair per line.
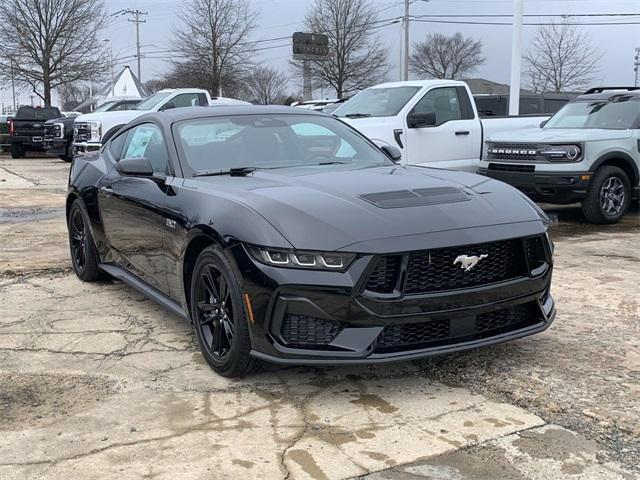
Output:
x,y
416,198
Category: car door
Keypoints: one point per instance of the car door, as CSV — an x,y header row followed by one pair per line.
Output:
x,y
132,206
450,143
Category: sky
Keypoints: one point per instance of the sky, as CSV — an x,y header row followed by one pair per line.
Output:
x,y
280,18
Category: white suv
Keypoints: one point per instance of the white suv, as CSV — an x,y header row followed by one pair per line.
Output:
x,y
588,152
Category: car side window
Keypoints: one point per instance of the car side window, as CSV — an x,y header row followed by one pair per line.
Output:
x,y
116,145
443,102
146,141
186,100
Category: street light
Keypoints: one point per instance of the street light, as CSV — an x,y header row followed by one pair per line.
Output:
x,y
106,40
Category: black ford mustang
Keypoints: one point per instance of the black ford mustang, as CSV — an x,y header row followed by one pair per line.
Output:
x,y
285,235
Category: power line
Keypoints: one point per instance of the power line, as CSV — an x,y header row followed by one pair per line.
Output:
x,y
136,19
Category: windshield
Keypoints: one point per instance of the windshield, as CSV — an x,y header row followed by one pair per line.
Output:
x,y
616,115
273,141
104,107
377,102
151,101
37,113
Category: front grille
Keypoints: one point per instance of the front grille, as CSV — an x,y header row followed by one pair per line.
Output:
x,y
308,332
440,270
413,336
384,277
515,151
501,167
81,132
536,254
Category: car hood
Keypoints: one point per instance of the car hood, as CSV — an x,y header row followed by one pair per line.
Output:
x,y
556,135
338,208
111,118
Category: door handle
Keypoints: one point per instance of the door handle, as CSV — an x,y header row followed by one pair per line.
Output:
x,y
462,132
106,189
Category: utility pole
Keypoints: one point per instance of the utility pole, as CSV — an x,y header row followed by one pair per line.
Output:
x,y
516,59
13,86
136,19
405,72
636,65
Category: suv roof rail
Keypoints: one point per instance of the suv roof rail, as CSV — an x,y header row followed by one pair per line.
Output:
x,y
604,89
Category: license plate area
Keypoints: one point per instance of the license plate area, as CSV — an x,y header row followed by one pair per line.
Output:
x,y
36,139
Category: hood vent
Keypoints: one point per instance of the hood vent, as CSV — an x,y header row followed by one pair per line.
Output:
x,y
416,198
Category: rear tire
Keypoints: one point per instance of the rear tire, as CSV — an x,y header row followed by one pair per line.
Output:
x,y
608,196
218,314
84,255
17,151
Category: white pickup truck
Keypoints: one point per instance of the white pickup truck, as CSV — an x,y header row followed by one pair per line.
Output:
x,y
90,129
435,123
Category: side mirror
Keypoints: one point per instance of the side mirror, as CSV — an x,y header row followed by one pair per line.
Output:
x,y
168,106
543,123
392,152
139,167
419,120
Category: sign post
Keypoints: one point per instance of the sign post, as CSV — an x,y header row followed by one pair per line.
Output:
x,y
309,47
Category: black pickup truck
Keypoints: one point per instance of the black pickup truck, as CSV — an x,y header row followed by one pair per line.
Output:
x,y
26,129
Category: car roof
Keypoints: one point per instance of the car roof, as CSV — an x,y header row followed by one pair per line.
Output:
x,y
191,113
609,95
420,83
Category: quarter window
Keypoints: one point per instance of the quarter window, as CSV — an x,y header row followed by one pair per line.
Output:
x,y
443,102
146,141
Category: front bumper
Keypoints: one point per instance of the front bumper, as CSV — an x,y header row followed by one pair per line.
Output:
x,y
56,146
28,142
84,147
361,328
561,188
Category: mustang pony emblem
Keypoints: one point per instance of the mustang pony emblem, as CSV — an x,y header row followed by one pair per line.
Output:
x,y
467,263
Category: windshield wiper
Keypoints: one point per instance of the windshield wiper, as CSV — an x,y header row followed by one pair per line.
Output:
x,y
333,163
357,115
233,172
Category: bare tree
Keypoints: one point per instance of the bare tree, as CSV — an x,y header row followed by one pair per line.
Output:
x,y
561,59
441,56
358,58
266,85
51,43
211,37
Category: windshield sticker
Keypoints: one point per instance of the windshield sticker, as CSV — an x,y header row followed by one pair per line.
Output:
x,y
139,143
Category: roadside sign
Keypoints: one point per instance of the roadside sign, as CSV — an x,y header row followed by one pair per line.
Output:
x,y
310,46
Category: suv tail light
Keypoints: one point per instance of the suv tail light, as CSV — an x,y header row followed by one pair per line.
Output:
x,y
10,127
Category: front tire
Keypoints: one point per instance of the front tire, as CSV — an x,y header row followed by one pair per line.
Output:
x,y
608,196
17,151
67,157
218,314
84,255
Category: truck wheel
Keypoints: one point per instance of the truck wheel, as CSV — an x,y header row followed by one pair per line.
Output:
x,y
608,196
67,157
17,151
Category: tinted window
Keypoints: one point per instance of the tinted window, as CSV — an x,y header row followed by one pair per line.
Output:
x,y
600,114
377,102
491,106
274,141
33,113
115,147
443,102
185,100
552,105
146,141
529,106
123,106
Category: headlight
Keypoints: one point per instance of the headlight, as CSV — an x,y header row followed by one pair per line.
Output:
x,y
276,257
58,129
562,153
95,128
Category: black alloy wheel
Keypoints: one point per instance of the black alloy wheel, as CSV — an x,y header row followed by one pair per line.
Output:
x,y
215,313
219,316
84,255
78,240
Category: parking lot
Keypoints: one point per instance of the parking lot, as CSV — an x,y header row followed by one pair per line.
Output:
x,y
96,381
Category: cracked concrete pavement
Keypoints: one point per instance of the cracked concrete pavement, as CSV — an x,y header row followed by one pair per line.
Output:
x,y
97,382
